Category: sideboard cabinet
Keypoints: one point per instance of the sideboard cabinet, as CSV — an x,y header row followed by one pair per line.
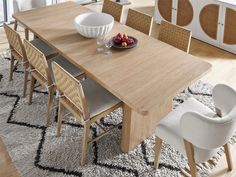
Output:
x,y
212,21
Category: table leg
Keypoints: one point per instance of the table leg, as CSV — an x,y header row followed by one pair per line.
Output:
x,y
136,127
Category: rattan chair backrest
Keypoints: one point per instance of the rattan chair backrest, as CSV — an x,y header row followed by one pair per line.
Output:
x,y
175,35
15,42
113,8
139,21
71,88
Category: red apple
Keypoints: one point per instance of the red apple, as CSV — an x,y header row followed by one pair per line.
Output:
x,y
119,35
130,41
117,40
124,39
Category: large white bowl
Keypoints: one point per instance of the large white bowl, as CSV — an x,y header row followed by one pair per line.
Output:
x,y
93,25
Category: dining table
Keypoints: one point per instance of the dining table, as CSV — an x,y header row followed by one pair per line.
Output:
x,y
145,78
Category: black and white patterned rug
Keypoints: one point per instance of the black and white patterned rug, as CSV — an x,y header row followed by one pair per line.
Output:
x,y
36,151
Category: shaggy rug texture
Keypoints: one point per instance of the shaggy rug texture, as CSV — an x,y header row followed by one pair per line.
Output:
x,y
36,151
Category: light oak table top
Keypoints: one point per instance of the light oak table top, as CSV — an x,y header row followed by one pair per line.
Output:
x,y
142,77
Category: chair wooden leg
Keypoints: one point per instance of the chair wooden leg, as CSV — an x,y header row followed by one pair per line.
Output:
x,y
26,33
11,68
157,152
32,82
59,119
25,81
228,157
50,102
191,160
15,25
81,77
35,36
85,142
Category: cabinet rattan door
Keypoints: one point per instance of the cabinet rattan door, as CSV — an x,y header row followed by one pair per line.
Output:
x,y
165,9
209,19
230,27
185,13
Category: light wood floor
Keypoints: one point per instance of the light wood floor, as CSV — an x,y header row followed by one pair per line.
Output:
x,y
223,71
7,168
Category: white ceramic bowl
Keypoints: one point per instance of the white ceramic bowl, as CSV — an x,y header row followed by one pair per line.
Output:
x,y
93,25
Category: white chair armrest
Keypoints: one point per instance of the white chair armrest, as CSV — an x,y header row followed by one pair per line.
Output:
x,y
224,99
206,132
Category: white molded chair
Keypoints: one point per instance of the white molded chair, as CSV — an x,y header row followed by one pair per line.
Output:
x,y
196,131
24,5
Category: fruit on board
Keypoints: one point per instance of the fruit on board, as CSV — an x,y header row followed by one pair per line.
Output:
x,y
123,40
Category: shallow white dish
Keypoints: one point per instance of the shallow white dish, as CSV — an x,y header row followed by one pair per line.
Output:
x,y
93,25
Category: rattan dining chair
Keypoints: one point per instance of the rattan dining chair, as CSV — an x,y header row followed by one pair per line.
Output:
x,y
41,71
139,21
113,8
86,100
175,35
18,53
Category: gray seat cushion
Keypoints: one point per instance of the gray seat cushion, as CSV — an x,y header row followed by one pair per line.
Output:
x,y
69,67
98,98
43,47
